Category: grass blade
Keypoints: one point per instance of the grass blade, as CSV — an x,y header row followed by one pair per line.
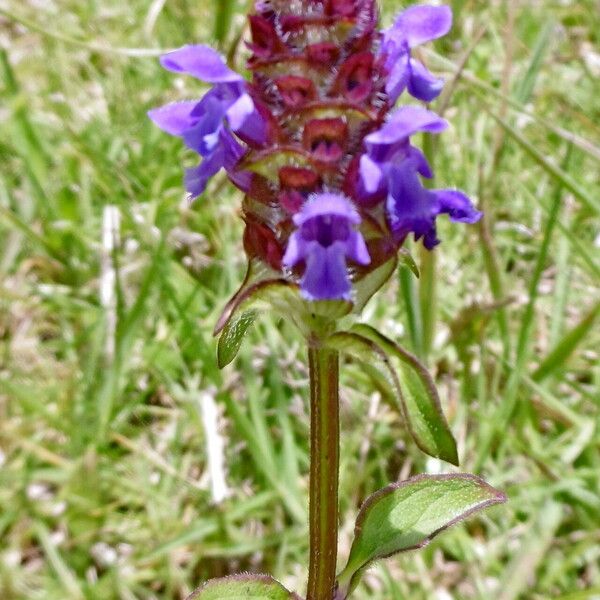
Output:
x,y
557,357
223,16
409,293
591,202
525,338
525,89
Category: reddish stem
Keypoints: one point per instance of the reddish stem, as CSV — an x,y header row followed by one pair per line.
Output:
x,y
324,472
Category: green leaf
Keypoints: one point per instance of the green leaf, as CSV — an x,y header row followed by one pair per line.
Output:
x,y
233,335
410,298
243,587
244,308
409,514
367,286
560,354
375,361
542,45
425,417
260,292
259,287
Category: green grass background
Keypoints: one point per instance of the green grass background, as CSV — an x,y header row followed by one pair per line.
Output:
x,y
103,468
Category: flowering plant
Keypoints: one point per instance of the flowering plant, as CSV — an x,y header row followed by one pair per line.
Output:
x,y
333,186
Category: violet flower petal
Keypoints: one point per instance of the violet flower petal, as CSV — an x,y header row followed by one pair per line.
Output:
x,y
390,146
244,119
356,249
420,24
398,76
422,84
413,26
206,133
197,178
371,174
233,153
457,205
325,239
206,126
403,123
327,205
326,275
201,62
174,118
226,154
295,251
420,161
239,111
411,207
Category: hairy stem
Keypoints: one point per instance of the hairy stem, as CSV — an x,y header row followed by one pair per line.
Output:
x,y
324,472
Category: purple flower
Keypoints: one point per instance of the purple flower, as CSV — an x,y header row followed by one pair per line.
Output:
x,y
390,146
206,125
413,26
392,166
326,237
411,208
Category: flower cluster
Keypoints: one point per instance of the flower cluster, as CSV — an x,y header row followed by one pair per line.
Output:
x,y
332,184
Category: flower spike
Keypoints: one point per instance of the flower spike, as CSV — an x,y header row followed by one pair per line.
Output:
x,y
331,178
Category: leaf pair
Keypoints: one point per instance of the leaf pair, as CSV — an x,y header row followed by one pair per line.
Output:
x,y
407,515
261,292
402,516
241,313
409,387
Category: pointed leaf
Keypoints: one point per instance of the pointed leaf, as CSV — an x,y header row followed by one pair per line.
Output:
x,y
223,19
243,587
261,291
409,514
560,354
369,284
244,308
233,335
258,283
413,393
426,420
